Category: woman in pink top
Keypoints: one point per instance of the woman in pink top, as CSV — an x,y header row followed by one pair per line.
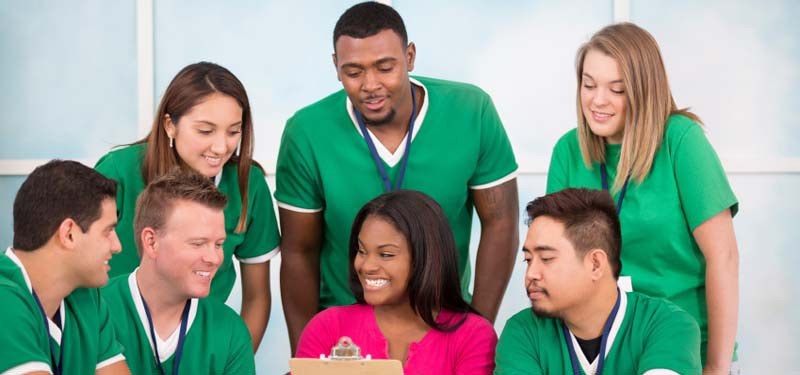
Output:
x,y
404,275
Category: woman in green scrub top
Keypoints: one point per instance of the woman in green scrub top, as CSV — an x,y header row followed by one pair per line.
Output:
x,y
673,197
204,124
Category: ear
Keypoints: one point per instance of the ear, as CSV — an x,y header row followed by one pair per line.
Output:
x,y
66,234
411,54
598,261
149,243
336,66
169,126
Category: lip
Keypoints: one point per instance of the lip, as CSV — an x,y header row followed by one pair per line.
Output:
x,y
367,286
601,117
213,161
374,104
536,293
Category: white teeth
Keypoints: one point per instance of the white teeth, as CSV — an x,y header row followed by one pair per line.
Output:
x,y
213,160
106,262
202,273
376,283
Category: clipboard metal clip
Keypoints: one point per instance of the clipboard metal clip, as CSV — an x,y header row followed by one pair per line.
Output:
x,y
345,350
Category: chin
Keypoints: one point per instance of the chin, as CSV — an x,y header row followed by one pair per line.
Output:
x,y
543,312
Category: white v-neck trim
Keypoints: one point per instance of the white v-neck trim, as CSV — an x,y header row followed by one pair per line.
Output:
x,y
53,329
166,348
591,368
389,158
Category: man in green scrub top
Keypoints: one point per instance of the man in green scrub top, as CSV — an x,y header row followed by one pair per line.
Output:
x,y
384,131
580,322
160,311
51,321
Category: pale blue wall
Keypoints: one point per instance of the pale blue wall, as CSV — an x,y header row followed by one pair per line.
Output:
x,y
69,90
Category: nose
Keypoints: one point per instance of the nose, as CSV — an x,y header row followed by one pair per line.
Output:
x,y
600,98
116,246
533,272
213,256
368,264
219,144
371,81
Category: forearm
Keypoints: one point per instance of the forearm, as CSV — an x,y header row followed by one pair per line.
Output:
x,y
722,297
494,264
256,300
299,293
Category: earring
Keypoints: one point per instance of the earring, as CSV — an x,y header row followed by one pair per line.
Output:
x,y
170,142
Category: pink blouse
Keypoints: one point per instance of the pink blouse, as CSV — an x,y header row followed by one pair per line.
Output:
x,y
467,350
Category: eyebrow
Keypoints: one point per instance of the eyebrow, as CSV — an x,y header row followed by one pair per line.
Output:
x,y
238,123
359,66
380,246
592,78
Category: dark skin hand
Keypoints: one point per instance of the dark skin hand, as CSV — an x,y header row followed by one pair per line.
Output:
x,y
301,241
498,210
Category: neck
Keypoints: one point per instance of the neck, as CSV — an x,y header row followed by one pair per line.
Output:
x,y
165,307
587,320
49,278
399,315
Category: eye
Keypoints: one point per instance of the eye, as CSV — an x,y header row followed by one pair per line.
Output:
x,y
547,260
527,260
385,69
204,132
196,244
588,86
235,132
387,255
361,252
218,245
352,73
618,92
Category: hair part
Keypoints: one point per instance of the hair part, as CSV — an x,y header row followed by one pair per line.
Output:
x,y
649,100
54,192
433,282
590,221
190,87
366,19
156,203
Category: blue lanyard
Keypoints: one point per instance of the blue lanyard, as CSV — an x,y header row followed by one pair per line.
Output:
x,y
56,366
573,358
372,150
604,178
181,337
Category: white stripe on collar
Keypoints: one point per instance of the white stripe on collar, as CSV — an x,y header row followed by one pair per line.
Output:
x,y
218,177
55,332
591,368
388,157
166,348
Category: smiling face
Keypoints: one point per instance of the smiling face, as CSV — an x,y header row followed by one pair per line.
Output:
x,y
189,248
97,245
603,98
374,73
557,278
383,263
207,135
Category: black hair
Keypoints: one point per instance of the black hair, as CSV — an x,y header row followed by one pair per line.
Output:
x,y
433,282
590,220
54,192
367,19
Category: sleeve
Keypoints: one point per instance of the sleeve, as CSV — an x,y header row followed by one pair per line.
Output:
x,y
108,167
702,184
261,240
22,335
109,350
319,335
496,162
558,172
672,343
517,350
297,178
477,348
241,359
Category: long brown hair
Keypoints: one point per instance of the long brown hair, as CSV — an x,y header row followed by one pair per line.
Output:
x,y
648,95
190,86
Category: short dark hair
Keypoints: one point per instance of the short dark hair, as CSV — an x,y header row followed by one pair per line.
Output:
x,y
367,19
156,202
54,192
433,282
590,220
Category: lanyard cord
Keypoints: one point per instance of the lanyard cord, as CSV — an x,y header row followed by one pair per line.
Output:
x,y
573,357
604,178
181,337
372,150
56,366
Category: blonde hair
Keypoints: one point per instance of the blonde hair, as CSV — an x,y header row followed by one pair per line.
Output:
x,y
649,100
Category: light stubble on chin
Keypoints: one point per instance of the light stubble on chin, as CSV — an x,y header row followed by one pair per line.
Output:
x,y
383,121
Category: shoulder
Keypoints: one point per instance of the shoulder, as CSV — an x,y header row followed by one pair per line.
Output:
x,y
679,126
658,310
114,290
127,155
568,140
524,319
452,90
333,104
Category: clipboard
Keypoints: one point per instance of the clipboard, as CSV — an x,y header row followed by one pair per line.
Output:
x,y
345,359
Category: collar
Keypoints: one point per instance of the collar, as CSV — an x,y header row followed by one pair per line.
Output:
x,y
166,347
388,157
55,332
591,367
